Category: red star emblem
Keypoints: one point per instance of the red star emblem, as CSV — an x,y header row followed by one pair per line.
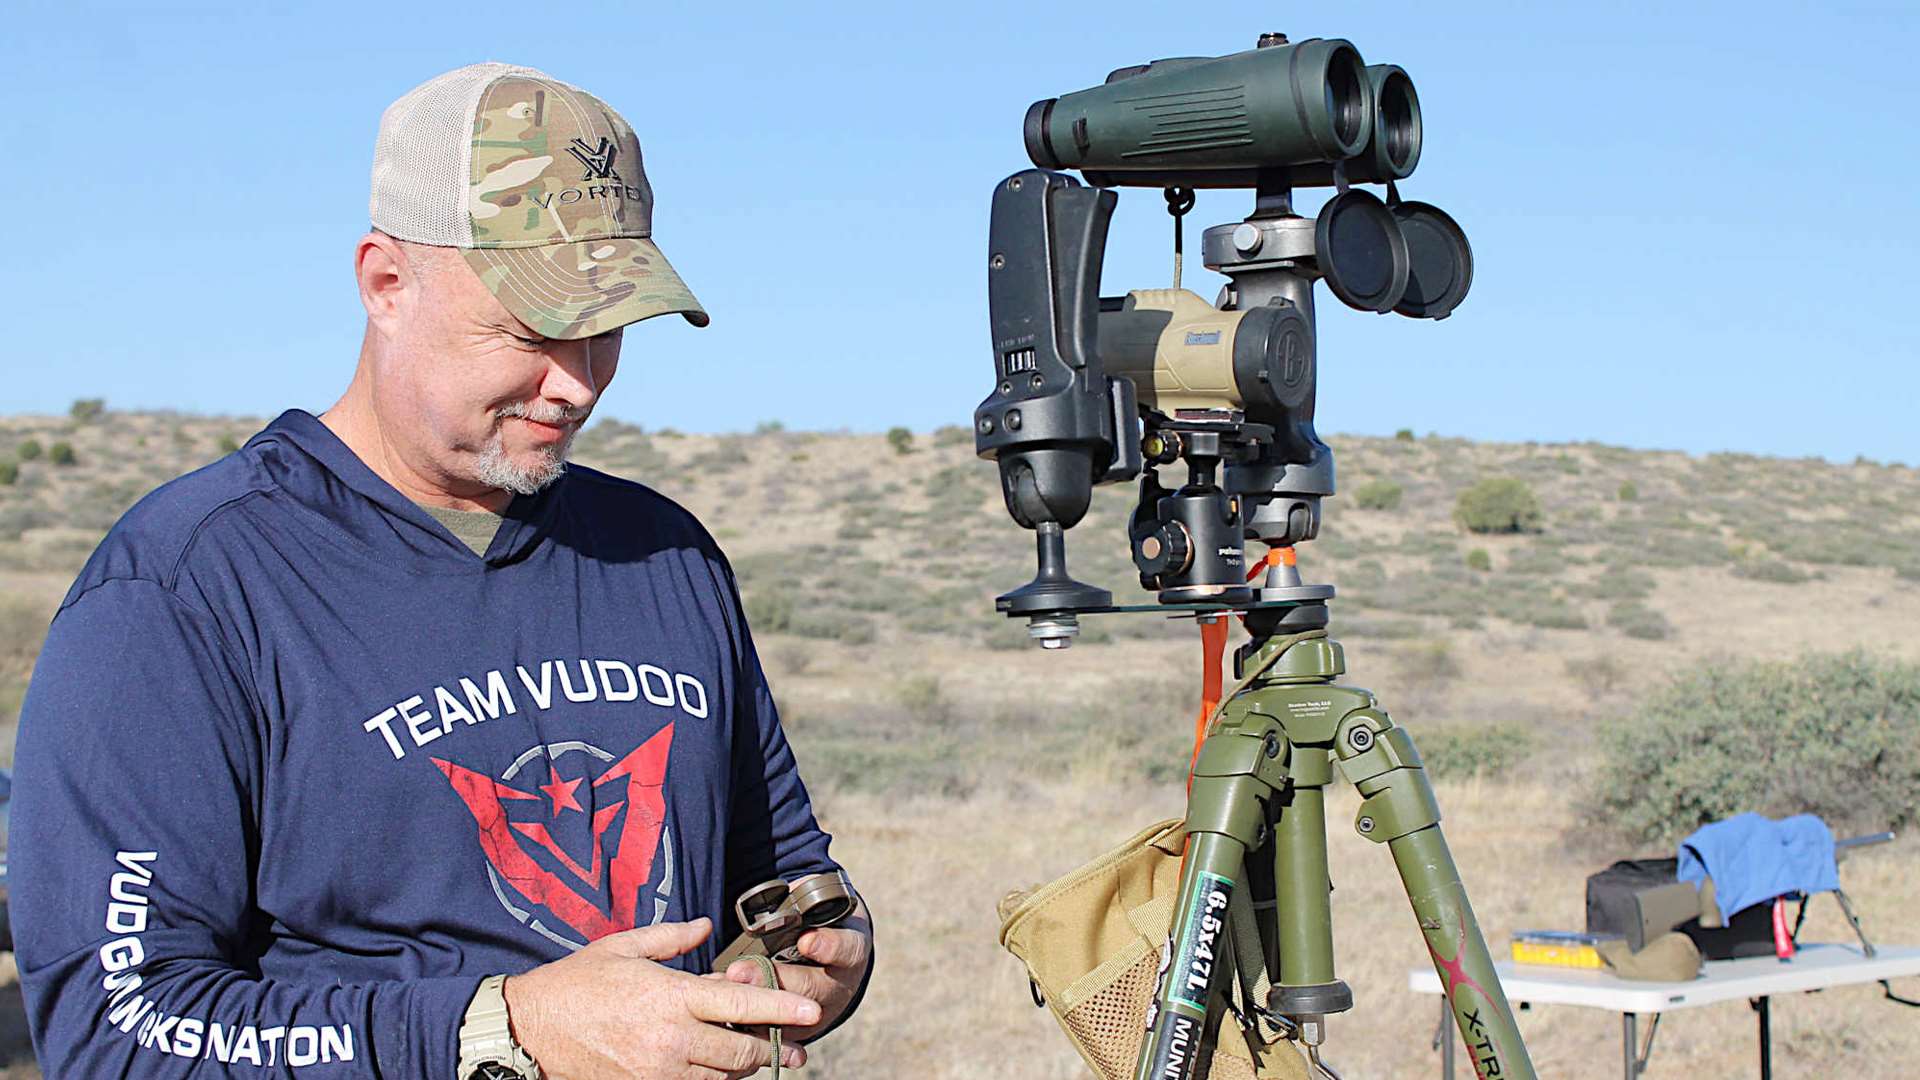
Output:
x,y
561,792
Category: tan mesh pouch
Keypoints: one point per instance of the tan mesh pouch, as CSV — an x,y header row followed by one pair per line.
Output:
x,y
1091,943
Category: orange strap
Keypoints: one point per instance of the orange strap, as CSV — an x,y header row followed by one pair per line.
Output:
x,y
1213,646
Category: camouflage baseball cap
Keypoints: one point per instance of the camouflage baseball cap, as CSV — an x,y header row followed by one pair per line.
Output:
x,y
540,185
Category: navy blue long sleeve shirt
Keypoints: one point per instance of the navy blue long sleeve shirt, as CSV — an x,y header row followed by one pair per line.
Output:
x,y
297,768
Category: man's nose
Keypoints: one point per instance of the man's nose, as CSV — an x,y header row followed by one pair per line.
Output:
x,y
570,373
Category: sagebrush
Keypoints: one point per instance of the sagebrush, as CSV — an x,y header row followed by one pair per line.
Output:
x,y
1836,735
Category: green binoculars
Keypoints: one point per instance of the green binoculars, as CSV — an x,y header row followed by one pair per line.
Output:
x,y
1284,113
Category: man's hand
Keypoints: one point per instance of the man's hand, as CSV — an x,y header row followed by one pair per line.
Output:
x,y
842,956
612,1011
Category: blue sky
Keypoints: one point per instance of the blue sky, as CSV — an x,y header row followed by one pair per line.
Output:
x,y
1694,224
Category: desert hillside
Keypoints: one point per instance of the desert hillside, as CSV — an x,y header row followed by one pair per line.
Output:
x,y
954,762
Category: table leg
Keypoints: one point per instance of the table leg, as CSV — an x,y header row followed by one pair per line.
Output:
x,y
1761,1006
1446,1037
1630,1043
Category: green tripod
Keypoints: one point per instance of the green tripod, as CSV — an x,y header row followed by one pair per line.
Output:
x,y
1092,390
1256,820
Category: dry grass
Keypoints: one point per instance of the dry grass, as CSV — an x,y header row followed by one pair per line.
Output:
x,y
946,1000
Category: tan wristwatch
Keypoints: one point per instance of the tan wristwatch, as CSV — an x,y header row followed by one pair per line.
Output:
x,y
487,1049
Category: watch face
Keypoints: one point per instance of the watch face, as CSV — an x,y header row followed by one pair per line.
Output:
x,y
493,1070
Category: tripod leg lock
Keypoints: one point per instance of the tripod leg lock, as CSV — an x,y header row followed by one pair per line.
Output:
x,y
1368,745
1381,761
1233,780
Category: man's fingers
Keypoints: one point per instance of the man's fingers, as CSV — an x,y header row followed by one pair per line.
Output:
x,y
734,1003
835,948
738,1053
661,941
815,982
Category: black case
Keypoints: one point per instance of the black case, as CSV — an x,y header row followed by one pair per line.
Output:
x,y
1618,903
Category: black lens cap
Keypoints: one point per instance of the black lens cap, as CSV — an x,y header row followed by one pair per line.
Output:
x,y
1442,261
1362,254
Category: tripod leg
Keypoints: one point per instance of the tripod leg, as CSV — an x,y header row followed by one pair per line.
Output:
x,y
1400,811
1190,975
1234,778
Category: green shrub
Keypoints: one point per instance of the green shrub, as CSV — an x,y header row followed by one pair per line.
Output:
x,y
1544,610
9,472
1498,504
87,409
30,449
61,453
952,435
769,610
1777,571
1489,749
836,625
920,696
1628,492
1386,629
1620,583
769,427
228,444
1833,735
1597,675
1544,560
900,439
1378,495
1637,620
1478,559
1405,434
1429,663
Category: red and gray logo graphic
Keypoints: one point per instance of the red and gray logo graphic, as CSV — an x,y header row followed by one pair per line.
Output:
x,y
612,811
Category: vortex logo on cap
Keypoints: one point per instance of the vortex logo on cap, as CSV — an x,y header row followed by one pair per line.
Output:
x,y
598,160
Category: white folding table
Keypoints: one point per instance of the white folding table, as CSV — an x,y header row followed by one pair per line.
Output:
x,y
1756,979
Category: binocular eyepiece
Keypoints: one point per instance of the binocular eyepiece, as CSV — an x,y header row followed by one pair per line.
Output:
x,y
1292,110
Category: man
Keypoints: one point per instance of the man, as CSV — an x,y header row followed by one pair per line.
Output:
x,y
393,746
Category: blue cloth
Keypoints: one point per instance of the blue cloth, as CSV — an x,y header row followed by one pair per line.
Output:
x,y
1753,859
297,768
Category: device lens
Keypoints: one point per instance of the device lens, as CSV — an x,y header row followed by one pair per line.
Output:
x,y
1399,127
1346,101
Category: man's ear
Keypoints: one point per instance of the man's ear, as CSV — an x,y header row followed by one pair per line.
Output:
x,y
389,286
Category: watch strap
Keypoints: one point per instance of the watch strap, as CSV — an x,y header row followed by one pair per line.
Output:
x,y
487,1048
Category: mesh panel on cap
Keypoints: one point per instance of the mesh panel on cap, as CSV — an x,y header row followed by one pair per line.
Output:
x,y
422,157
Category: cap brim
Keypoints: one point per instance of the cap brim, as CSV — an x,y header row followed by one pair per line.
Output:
x,y
582,288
